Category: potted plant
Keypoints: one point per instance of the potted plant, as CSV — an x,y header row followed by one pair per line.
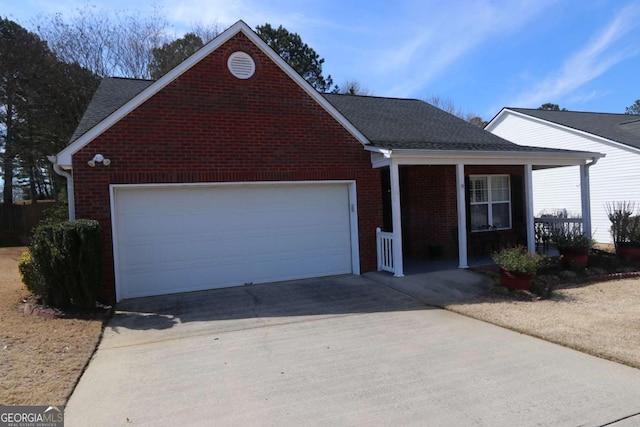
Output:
x,y
630,247
625,229
573,246
517,267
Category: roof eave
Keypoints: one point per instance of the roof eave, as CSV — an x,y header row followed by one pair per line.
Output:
x,y
383,157
506,111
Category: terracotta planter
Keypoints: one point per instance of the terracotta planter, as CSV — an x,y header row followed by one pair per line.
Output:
x,y
579,256
628,251
515,280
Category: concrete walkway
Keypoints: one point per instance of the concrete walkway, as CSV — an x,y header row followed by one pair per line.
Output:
x,y
338,351
437,288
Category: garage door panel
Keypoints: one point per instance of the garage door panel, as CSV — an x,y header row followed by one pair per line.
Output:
x,y
192,238
139,284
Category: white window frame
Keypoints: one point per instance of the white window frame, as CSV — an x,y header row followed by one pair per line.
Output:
x,y
489,203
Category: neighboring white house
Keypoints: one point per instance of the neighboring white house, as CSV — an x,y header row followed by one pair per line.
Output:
x,y
615,177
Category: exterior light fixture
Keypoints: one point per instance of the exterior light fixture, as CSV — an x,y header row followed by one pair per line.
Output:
x,y
97,159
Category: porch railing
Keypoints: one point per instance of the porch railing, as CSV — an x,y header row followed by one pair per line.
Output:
x,y
384,245
545,227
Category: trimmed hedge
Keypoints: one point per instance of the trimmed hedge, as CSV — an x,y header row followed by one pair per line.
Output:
x,y
25,266
67,263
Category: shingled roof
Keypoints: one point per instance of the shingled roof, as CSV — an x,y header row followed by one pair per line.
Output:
x,y
391,123
413,124
622,128
112,93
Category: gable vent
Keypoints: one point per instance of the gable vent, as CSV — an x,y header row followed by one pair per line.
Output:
x,y
241,65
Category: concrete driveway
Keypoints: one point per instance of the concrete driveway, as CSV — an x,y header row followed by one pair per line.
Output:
x,y
339,351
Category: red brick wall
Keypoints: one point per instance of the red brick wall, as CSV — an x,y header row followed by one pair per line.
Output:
x,y
429,206
208,126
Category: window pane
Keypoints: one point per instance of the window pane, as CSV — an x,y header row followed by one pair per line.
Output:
x,y
500,188
479,216
500,212
479,192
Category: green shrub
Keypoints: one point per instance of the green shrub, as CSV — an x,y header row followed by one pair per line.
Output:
x,y
26,271
568,275
66,258
541,289
595,271
57,213
568,237
517,259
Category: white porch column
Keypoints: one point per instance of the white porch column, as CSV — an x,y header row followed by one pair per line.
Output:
x,y
396,215
462,217
529,218
585,199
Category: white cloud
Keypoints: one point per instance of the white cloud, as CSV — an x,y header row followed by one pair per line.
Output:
x,y
605,50
579,98
443,33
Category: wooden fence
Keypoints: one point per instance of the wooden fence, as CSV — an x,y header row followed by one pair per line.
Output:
x,y
17,220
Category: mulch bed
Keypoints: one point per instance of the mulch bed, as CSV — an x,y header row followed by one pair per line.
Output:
x,y
606,266
33,305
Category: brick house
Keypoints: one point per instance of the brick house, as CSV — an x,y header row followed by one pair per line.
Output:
x,y
232,170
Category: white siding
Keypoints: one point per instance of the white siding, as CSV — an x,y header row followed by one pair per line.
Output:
x,y
615,177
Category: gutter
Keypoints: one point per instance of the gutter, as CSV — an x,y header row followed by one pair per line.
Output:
x,y
69,177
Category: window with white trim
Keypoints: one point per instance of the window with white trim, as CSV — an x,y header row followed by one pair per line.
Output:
x,y
490,202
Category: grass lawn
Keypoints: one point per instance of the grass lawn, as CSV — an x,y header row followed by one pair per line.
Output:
x,y
599,318
41,359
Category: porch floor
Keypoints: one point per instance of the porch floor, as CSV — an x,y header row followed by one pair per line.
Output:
x,y
420,266
440,282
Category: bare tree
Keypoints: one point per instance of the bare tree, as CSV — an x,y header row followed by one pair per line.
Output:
x,y
476,120
206,32
450,107
105,42
138,37
445,104
352,87
634,108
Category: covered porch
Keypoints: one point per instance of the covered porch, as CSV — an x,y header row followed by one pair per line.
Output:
x,y
444,209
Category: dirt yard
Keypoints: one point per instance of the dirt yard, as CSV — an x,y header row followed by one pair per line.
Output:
x,y
602,318
41,359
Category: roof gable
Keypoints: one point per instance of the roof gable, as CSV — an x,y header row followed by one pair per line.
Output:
x,y
620,128
116,98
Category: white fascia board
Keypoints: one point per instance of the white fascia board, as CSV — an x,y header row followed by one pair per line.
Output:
x,y
379,160
445,157
65,156
496,119
505,112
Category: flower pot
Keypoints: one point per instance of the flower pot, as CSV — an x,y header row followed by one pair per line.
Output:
x,y
574,256
628,251
515,280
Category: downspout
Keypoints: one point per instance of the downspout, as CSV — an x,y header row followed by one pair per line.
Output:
x,y
586,196
69,177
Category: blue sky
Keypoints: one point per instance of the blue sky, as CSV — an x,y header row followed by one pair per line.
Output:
x,y
483,55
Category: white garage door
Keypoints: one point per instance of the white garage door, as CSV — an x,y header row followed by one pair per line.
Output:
x,y
187,238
